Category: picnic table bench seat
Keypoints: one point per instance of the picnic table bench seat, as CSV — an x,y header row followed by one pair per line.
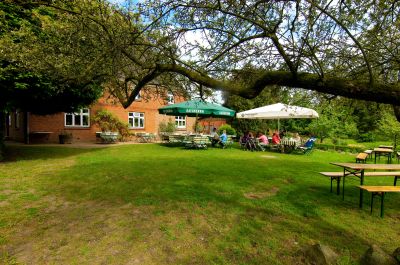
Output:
x,y
379,191
361,157
369,152
338,175
198,142
175,139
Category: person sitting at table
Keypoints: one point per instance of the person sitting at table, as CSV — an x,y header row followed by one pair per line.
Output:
x,y
247,141
262,138
223,138
297,139
275,138
281,134
310,142
215,137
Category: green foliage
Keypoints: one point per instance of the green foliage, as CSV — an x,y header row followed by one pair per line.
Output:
x,y
335,121
40,94
229,130
167,127
197,127
388,127
36,91
109,123
366,137
339,146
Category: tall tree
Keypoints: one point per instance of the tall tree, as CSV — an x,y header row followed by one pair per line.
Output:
x,y
26,88
346,48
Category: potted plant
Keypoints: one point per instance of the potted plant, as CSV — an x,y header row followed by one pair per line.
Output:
x,y
65,137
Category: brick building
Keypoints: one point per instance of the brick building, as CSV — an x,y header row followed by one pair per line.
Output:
x,y
142,116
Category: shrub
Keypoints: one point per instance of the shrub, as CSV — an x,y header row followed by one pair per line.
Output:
x,y
197,127
366,137
338,141
108,122
228,128
343,148
166,127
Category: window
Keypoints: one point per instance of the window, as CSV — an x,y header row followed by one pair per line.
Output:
x,y
136,120
180,122
170,98
77,119
16,119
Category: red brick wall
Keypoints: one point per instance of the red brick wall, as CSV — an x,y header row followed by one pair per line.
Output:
x,y
210,123
149,106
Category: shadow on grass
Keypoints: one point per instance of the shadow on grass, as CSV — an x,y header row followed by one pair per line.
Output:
x,y
26,152
305,222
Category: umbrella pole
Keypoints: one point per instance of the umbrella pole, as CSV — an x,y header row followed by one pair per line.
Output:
x,y
278,126
196,124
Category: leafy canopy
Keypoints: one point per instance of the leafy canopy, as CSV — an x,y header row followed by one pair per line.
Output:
x,y
345,48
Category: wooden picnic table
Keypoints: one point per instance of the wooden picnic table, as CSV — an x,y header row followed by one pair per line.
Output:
x,y
383,152
357,169
288,145
145,137
386,146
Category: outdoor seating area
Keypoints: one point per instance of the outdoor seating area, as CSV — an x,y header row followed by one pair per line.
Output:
x,y
367,166
196,141
286,145
375,154
200,132
362,170
145,137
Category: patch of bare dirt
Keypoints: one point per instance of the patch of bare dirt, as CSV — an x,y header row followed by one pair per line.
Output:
x,y
267,156
4,203
7,192
261,195
288,181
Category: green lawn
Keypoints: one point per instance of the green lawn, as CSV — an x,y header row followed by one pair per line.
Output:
x,y
152,204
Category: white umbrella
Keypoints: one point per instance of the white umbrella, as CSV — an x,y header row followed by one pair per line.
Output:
x,y
278,111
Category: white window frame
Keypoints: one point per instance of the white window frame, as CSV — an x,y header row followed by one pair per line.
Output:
x,y
170,98
180,122
81,114
132,116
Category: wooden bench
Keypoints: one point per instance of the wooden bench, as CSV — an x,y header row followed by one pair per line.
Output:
x,y
39,136
175,139
361,158
379,191
339,175
369,152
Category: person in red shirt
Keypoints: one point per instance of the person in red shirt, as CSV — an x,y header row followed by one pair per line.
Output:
x,y
275,138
